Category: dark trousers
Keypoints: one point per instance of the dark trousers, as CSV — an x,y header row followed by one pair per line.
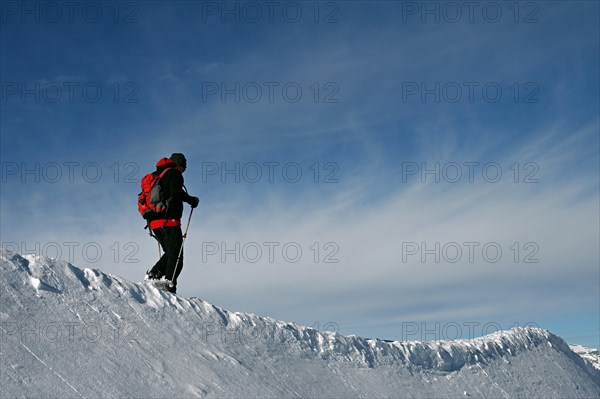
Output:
x,y
170,239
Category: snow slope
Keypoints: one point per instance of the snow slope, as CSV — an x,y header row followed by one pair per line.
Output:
x,y
68,332
592,355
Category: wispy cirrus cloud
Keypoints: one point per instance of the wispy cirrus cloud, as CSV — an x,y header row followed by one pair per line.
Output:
x,y
377,140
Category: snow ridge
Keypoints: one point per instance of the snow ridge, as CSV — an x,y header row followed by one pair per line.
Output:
x,y
63,278
36,286
590,355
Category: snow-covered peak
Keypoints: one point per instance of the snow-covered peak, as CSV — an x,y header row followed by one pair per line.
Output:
x,y
47,277
591,355
137,327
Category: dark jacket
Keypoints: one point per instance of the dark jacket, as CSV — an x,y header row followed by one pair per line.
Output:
x,y
172,189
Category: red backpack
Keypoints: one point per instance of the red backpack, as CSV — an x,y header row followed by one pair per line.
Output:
x,y
150,202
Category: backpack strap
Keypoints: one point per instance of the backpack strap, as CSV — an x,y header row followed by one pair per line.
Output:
x,y
163,173
165,224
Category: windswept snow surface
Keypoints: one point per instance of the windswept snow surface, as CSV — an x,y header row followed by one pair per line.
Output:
x,y
68,332
592,355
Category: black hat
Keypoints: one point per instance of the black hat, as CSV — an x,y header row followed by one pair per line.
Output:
x,y
179,159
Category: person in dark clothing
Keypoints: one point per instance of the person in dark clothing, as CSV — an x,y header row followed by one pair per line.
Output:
x,y
167,229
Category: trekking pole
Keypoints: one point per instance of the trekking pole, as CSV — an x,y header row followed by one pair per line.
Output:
x,y
182,241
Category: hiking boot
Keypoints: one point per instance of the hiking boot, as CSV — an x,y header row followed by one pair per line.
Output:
x,y
171,288
168,285
151,275
164,284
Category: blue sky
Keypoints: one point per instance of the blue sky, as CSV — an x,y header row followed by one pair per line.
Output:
x,y
387,91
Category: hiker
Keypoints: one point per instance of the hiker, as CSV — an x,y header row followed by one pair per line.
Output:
x,y
166,226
